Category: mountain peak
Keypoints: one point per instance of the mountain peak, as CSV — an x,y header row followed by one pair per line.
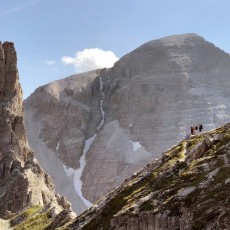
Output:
x,y
9,85
179,39
185,52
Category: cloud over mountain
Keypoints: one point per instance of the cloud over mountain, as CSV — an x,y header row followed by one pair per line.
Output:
x,y
90,59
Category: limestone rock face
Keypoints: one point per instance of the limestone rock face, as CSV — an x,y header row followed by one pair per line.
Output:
x,y
57,125
99,127
22,181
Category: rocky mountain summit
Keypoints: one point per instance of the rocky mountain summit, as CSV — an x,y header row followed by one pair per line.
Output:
x,y
187,189
23,183
92,130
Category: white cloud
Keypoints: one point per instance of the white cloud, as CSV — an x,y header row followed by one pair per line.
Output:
x,y
50,62
68,60
90,59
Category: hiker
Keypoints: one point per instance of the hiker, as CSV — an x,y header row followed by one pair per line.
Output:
x,y
196,127
200,127
192,130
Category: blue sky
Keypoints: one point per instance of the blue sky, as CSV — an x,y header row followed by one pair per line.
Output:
x,y
45,31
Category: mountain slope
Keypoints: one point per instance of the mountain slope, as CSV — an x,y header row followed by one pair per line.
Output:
x,y
109,123
188,188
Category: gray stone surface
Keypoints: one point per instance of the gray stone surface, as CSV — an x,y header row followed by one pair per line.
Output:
x,y
149,98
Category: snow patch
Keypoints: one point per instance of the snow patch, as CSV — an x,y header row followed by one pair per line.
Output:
x,y
101,105
88,143
136,145
118,141
78,172
57,146
68,171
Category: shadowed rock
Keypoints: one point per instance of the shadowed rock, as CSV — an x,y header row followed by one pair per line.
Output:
x,y
22,181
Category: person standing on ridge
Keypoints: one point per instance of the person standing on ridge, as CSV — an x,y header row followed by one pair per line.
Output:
x,y
200,127
192,130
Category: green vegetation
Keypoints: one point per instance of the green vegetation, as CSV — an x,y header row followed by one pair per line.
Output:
x,y
132,194
24,215
210,201
193,141
33,218
147,206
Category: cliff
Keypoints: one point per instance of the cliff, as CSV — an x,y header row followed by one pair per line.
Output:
x,y
22,181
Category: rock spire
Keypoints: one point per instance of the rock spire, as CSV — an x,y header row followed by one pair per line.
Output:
x,y
22,181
